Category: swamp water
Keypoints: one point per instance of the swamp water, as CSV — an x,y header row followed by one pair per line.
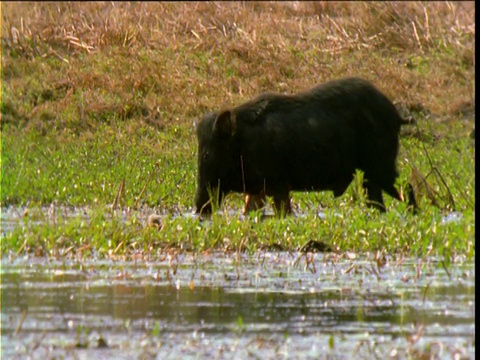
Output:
x,y
236,306
267,305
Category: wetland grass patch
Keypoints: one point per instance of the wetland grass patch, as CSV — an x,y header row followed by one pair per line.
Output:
x,y
99,101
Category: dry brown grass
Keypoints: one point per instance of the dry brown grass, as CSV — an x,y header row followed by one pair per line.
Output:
x,y
183,59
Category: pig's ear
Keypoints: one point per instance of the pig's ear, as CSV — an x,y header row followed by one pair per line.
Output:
x,y
224,124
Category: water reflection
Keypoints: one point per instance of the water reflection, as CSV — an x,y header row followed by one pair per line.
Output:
x,y
221,298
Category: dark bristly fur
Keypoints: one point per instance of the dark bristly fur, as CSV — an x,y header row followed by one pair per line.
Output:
x,y
312,141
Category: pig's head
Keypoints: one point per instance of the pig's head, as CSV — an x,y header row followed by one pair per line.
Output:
x,y
216,159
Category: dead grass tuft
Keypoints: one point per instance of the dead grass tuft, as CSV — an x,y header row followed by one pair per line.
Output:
x,y
188,57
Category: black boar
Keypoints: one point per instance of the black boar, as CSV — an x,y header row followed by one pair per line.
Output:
x,y
312,141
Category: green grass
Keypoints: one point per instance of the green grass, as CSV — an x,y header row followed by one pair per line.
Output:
x,y
345,227
78,125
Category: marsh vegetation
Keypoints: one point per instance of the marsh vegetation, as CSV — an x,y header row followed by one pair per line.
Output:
x,y
98,108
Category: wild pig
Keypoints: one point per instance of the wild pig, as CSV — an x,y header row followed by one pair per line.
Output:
x,y
312,141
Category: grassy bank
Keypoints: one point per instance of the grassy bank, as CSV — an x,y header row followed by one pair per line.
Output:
x,y
99,101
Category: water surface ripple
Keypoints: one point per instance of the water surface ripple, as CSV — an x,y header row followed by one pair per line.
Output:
x,y
229,306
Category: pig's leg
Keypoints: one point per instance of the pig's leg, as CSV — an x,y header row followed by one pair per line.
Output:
x,y
411,202
374,194
254,202
281,204
341,186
